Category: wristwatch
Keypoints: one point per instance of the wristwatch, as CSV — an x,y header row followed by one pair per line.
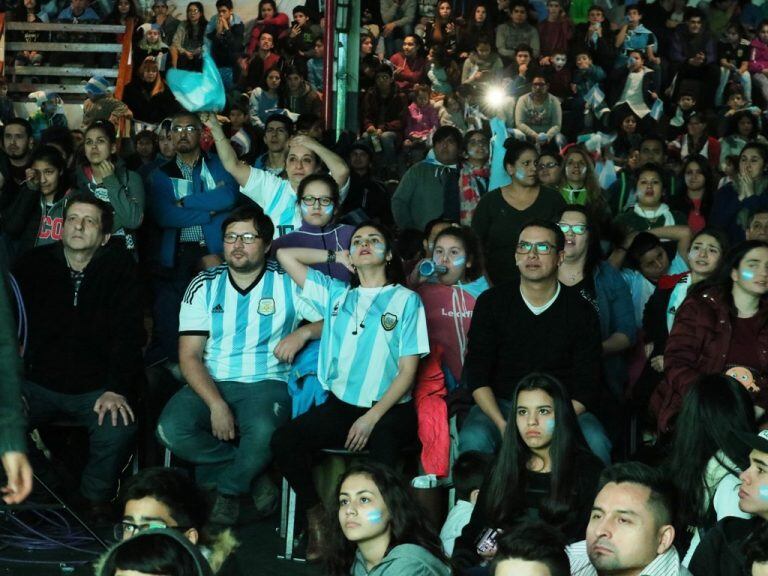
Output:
x,y
331,257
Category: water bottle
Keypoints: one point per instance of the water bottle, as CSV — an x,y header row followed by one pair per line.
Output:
x,y
376,142
429,268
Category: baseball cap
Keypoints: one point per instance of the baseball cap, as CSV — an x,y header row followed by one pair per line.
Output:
x,y
755,441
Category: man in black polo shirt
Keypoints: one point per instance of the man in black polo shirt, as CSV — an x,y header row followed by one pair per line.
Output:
x,y
532,325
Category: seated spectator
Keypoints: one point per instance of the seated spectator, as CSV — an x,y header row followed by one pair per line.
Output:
x,y
146,151
633,36
442,71
693,56
697,194
475,174
501,213
50,113
631,525
105,176
242,134
147,95
450,293
278,196
480,25
515,31
101,105
444,30
18,144
92,291
160,551
368,198
369,406
410,65
468,474
166,150
28,11
756,552
121,12
315,66
500,352
168,23
378,527
482,65
430,188
318,198
578,184
152,45
187,44
382,112
743,128
521,71
397,19
278,130
596,37
533,548
556,32
584,269
263,60
538,115
758,60
722,552
676,119
236,392
744,193
706,457
421,119
634,86
697,141
299,40
544,470
159,498
550,167
733,56
709,334
297,95
225,36
757,225
628,139
265,98
269,21
36,216
78,12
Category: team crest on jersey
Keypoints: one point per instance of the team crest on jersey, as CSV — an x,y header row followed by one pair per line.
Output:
x,y
266,306
388,321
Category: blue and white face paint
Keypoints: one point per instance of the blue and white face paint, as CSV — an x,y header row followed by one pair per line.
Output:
x,y
747,275
459,261
762,493
374,516
520,174
379,248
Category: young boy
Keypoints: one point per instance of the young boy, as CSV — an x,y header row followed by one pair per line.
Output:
x,y
468,474
634,36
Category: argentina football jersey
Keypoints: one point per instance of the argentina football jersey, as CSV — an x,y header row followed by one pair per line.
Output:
x,y
243,327
276,198
365,333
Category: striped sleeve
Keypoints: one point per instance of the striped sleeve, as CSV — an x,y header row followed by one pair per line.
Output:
x,y
316,291
194,317
413,337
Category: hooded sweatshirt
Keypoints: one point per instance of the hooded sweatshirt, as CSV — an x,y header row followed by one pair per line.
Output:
x,y
30,222
404,559
428,190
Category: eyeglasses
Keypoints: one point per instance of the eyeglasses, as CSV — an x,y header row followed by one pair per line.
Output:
x,y
126,529
247,238
547,165
542,248
189,128
311,200
577,229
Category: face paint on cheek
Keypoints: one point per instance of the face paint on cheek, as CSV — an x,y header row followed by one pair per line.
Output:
x,y
379,248
374,516
304,210
353,249
328,210
763,492
520,174
550,426
747,275
459,261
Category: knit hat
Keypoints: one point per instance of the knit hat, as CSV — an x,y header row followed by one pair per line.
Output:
x,y
98,86
43,96
156,27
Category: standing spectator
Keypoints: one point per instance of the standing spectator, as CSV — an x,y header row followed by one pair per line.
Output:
x,y
238,391
383,107
152,44
515,31
147,95
86,365
187,45
430,188
190,197
269,20
225,35
410,65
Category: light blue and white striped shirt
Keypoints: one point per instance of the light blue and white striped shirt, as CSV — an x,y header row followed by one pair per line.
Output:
x,y
243,326
358,363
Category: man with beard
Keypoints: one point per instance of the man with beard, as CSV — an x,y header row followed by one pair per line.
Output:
x,y
17,144
189,197
235,345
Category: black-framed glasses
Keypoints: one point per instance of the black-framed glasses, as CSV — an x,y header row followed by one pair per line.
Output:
x,y
189,128
127,529
312,200
247,238
541,248
547,165
577,229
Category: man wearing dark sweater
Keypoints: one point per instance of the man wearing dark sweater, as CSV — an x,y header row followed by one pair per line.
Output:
x,y
83,357
532,325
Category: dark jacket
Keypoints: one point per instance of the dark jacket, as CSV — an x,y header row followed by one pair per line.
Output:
x,y
602,51
147,107
28,223
90,344
229,46
385,113
720,553
697,345
12,424
617,86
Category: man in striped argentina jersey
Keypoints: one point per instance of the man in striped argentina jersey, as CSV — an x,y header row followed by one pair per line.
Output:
x,y
238,332
277,196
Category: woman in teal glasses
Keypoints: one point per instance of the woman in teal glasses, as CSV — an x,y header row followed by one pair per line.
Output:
x,y
318,201
584,268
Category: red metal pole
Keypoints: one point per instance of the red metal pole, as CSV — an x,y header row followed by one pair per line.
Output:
x,y
330,49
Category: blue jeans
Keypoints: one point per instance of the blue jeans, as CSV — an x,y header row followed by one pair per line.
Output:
x,y
108,446
481,434
258,409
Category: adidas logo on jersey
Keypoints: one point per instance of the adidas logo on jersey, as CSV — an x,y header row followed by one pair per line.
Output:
x,y
218,309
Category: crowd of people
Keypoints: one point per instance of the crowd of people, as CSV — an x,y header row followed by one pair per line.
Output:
x,y
549,235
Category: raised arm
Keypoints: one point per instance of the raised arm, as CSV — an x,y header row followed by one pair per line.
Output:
x,y
296,261
336,165
239,170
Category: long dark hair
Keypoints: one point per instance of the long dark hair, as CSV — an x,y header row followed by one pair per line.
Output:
x,y
394,268
720,281
505,491
594,251
715,408
51,155
199,30
407,521
467,236
681,201
114,15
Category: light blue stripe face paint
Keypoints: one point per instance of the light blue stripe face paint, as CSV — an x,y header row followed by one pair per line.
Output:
x,y
460,261
379,248
328,210
747,275
550,425
763,492
353,249
374,516
304,209
520,174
